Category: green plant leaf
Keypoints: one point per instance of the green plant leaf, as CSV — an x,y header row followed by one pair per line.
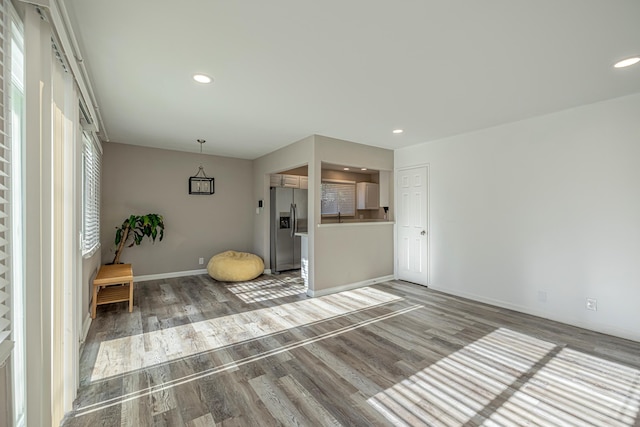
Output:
x,y
150,225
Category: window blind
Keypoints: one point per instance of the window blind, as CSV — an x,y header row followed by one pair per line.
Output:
x,y
91,158
338,197
5,184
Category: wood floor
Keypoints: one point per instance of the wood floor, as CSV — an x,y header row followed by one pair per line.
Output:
x,y
196,352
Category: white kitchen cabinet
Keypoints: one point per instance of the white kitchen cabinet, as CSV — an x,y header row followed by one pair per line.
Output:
x,y
291,181
276,180
304,182
288,181
368,194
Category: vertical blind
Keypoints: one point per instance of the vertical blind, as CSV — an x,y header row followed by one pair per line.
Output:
x,y
338,197
5,184
91,158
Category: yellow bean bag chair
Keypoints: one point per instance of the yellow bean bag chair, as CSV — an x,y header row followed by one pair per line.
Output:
x,y
232,266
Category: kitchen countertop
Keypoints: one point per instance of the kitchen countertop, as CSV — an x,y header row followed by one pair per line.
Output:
x,y
356,223
334,220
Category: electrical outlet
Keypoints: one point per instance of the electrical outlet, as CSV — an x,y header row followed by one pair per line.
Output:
x,y
542,296
200,261
592,304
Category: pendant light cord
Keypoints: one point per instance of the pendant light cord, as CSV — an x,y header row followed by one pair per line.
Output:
x,y
201,168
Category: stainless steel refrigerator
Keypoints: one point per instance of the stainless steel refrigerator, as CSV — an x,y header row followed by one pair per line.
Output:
x,y
288,216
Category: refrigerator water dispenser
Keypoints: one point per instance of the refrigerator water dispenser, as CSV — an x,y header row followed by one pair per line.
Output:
x,y
285,220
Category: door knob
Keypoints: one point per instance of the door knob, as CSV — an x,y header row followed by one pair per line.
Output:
x,y
423,232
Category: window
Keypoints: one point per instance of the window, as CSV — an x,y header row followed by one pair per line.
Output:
x,y
91,162
11,232
11,126
5,194
17,276
338,197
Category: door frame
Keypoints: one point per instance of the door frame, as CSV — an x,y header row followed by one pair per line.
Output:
x,y
428,222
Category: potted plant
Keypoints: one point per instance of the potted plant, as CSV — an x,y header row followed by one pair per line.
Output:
x,y
136,227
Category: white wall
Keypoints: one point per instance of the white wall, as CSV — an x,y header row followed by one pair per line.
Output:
x,y
550,204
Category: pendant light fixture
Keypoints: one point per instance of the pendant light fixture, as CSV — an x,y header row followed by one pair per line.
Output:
x,y
200,183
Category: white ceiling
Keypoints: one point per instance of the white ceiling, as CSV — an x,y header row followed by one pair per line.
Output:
x,y
353,70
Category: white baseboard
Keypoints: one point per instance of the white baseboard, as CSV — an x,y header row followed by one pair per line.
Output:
x,y
147,277
85,328
348,287
604,329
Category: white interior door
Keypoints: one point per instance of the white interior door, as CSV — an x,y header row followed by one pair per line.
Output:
x,y
413,221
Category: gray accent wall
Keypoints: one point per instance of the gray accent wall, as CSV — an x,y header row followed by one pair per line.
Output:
x,y
6,411
292,156
348,253
139,180
90,267
341,255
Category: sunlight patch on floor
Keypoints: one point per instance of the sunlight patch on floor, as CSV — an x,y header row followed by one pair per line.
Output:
x,y
132,396
267,289
122,355
574,388
528,380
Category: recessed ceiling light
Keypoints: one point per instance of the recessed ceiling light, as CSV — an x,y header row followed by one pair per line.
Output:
x,y
363,169
346,169
627,62
202,78
398,131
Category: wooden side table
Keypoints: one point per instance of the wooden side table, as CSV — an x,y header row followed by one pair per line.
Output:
x,y
104,291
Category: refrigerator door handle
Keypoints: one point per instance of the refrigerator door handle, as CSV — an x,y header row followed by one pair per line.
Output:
x,y
292,214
